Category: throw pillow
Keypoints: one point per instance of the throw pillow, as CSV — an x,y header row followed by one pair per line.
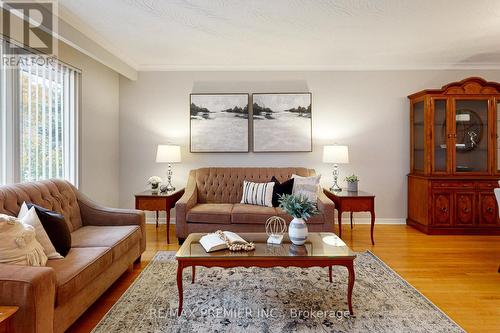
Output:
x,y
29,217
18,244
280,189
258,193
306,186
56,228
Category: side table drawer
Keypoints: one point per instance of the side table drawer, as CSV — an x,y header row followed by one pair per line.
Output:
x,y
150,204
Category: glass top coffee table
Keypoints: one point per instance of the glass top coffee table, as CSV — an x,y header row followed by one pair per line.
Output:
x,y
321,249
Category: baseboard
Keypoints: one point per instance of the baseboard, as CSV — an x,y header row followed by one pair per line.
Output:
x,y
161,220
366,220
345,220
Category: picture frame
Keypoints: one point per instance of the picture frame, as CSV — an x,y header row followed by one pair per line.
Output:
x,y
282,122
219,122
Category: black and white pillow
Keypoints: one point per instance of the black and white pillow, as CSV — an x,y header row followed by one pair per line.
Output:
x,y
258,193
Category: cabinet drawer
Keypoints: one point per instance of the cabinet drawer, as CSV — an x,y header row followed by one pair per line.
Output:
x,y
487,185
452,184
150,204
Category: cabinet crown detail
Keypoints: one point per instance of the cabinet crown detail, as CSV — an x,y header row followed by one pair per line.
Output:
x,y
468,86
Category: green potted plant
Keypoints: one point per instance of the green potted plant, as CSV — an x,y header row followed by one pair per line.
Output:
x,y
352,183
300,208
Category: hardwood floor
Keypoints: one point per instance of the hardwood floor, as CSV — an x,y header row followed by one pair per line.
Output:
x,y
457,273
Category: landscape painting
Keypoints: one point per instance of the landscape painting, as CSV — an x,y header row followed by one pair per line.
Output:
x,y
282,122
219,123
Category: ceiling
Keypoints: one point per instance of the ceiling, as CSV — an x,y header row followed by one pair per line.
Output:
x,y
294,34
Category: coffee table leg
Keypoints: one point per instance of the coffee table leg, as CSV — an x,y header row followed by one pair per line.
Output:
x,y
193,271
350,269
179,286
340,223
330,273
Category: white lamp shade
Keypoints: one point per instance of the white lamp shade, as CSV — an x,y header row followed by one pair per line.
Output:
x,y
336,154
168,154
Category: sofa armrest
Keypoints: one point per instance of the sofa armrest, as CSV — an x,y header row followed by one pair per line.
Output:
x,y
184,204
327,208
96,215
33,290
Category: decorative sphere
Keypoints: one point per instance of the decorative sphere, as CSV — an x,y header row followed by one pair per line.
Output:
x,y
275,225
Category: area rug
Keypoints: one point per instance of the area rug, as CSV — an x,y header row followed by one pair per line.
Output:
x,y
273,300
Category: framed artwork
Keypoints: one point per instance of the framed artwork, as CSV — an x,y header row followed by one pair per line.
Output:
x,y
219,123
282,122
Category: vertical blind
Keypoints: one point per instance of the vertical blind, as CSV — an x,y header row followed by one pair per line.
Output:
x,y
39,102
48,121
3,119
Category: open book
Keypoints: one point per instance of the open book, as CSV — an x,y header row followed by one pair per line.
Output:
x,y
212,242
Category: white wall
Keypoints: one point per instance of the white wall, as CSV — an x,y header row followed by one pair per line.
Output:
x,y
368,111
99,149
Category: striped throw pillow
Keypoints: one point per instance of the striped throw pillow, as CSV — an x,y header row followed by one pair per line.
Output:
x,y
260,194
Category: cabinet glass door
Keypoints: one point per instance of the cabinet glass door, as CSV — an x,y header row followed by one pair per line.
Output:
x,y
418,136
471,135
440,136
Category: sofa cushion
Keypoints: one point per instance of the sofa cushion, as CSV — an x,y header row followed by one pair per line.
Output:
x,y
251,214
119,238
316,219
81,266
210,213
56,228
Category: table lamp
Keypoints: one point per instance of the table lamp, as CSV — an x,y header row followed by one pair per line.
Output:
x,y
335,154
168,154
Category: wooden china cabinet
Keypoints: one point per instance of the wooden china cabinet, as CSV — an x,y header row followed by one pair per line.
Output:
x,y
455,160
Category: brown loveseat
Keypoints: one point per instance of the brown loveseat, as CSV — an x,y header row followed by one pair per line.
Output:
x,y
212,199
105,242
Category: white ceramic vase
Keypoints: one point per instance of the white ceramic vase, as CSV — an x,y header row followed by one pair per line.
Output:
x,y
297,231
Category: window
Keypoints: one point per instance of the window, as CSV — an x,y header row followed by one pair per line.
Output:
x,y
40,137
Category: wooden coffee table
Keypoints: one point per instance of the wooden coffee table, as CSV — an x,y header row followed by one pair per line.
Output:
x,y
320,250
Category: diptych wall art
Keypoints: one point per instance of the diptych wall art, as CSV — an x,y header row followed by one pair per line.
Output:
x,y
282,122
219,123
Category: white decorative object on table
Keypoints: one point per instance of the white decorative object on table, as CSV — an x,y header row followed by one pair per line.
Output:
x,y
300,208
275,229
297,231
154,181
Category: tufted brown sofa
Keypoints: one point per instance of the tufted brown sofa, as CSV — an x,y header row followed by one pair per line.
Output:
x,y
212,199
105,242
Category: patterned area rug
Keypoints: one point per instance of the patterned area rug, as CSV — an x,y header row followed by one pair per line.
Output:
x,y
273,300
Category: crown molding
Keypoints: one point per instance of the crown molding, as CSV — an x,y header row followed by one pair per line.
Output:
x,y
300,68
82,37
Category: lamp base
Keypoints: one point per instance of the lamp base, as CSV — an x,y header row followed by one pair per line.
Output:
x,y
335,188
167,188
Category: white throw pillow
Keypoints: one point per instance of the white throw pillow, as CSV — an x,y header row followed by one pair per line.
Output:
x,y
306,186
258,193
18,244
29,217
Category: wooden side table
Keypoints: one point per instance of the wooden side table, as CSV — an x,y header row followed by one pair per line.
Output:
x,y
6,315
346,201
148,200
